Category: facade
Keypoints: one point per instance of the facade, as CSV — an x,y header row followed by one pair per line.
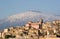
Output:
x,y
0,34
6,30
37,25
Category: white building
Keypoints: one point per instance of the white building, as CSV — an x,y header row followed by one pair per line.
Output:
x,y
0,34
6,30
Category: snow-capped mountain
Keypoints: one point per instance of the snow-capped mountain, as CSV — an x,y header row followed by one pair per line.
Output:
x,y
23,18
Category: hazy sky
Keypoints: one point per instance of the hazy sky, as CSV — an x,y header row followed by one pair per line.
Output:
x,y
10,7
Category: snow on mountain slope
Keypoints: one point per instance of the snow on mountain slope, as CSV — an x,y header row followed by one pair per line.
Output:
x,y
23,18
28,16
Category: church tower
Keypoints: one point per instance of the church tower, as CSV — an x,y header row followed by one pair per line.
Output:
x,y
40,23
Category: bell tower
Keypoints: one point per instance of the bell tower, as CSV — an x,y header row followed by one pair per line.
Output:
x,y
40,23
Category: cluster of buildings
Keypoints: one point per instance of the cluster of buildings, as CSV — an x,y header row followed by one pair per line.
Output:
x,y
33,30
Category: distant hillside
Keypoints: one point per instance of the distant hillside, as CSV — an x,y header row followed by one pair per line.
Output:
x,y
23,18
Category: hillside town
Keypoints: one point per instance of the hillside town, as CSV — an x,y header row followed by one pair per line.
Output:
x,y
33,30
